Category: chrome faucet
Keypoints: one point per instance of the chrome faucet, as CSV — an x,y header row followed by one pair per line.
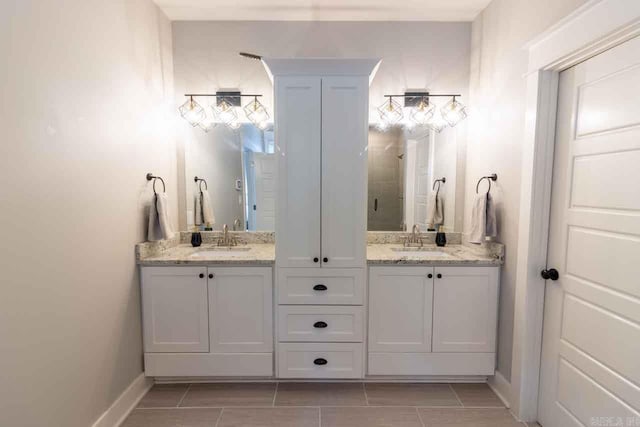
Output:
x,y
415,238
236,224
227,240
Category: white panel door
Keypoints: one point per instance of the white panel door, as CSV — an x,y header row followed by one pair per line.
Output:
x,y
344,170
174,309
400,309
240,309
265,178
465,309
297,134
590,373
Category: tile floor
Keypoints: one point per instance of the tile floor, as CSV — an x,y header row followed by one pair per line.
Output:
x,y
320,405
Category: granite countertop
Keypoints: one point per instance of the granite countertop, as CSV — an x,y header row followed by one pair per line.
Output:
x,y
209,254
384,254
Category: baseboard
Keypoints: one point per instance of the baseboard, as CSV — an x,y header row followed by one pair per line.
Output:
x,y
501,387
124,404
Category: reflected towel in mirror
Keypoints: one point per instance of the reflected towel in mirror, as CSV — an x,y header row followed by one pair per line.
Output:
x,y
435,211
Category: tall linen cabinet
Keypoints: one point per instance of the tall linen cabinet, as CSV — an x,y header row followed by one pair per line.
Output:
x,y
321,133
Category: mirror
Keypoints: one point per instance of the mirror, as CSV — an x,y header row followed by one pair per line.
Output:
x,y
404,165
239,169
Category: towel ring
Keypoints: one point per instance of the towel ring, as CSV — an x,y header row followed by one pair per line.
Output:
x,y
206,187
489,178
439,182
150,177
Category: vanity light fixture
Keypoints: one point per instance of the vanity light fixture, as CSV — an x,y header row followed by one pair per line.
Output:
x,y
422,111
224,110
453,112
192,112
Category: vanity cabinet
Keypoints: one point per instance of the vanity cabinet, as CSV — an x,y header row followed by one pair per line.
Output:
x,y
432,320
207,321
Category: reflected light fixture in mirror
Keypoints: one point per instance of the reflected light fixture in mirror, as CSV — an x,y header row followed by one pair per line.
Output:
x,y
256,113
192,112
454,112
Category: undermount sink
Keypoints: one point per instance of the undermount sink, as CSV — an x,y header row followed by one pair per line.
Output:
x,y
420,252
221,250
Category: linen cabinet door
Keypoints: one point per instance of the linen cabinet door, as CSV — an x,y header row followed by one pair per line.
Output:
x,y
344,170
241,309
400,308
465,309
174,309
297,136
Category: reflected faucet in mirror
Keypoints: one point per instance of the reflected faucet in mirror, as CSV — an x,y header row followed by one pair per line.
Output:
x,y
227,240
236,224
415,238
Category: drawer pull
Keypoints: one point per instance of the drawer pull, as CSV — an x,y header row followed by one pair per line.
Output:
x,y
320,325
320,361
320,288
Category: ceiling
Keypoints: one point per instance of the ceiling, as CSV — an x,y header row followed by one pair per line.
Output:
x,y
322,10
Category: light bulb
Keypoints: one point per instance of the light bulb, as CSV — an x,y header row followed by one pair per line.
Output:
x,y
453,112
192,112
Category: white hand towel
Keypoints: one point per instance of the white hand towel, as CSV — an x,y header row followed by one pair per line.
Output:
x,y
207,209
483,219
197,208
159,221
435,211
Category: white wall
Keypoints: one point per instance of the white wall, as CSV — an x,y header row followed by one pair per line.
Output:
x,y
85,113
433,55
496,126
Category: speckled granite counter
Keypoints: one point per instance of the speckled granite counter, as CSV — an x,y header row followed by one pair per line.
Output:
x,y
185,254
394,254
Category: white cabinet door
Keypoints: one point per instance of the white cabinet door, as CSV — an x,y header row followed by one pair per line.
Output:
x,y
465,307
344,170
297,134
240,309
174,309
400,308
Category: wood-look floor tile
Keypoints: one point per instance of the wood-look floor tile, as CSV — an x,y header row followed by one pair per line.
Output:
x,y
320,394
270,417
369,417
173,417
394,394
227,394
477,395
163,396
467,417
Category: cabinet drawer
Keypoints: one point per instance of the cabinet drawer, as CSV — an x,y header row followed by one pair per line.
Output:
x,y
343,286
320,360
320,323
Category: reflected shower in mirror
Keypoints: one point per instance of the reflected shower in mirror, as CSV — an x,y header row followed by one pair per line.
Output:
x,y
239,169
404,166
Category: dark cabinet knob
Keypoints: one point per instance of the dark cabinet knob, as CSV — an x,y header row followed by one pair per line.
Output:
x,y
550,274
316,259
325,259
320,325
320,361
430,276
439,276
210,275
320,287
201,275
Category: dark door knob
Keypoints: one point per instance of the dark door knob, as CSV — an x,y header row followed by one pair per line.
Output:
x,y
430,276
550,274
320,325
320,287
320,361
201,275
439,276
210,275
316,259
325,259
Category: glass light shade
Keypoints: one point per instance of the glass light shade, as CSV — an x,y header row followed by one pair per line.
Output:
x,y
437,122
225,112
256,113
422,113
208,123
192,112
454,112
391,112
